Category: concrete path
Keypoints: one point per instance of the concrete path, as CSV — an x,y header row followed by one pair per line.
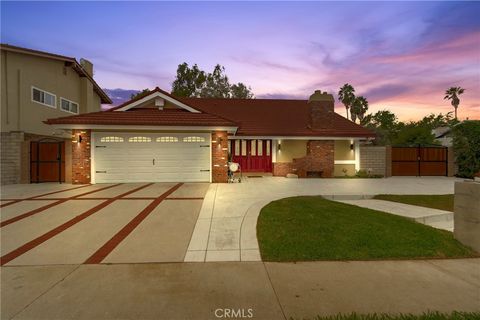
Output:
x,y
226,226
266,290
439,219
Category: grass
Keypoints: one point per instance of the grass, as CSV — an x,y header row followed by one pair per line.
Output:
x,y
425,316
442,201
314,228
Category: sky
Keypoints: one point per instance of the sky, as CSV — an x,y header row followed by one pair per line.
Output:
x,y
401,56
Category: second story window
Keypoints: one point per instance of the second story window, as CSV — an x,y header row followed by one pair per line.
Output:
x,y
69,106
44,97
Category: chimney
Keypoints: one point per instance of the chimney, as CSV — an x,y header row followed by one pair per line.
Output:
x,y
321,110
87,66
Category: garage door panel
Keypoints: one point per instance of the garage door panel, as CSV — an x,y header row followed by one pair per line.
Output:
x,y
133,161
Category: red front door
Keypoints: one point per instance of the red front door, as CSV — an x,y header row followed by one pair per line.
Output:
x,y
252,155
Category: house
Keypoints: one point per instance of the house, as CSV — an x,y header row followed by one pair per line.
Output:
x,y
443,135
35,86
159,137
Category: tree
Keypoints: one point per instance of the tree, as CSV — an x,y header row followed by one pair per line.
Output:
x,y
358,108
142,93
384,123
241,91
466,145
216,85
347,96
452,95
189,81
193,82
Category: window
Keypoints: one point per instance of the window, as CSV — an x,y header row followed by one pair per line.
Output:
x,y
268,147
260,147
44,97
230,146
244,147
69,106
237,147
140,139
167,139
253,147
194,139
111,139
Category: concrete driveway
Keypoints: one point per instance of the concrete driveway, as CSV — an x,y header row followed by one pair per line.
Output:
x,y
44,224
226,226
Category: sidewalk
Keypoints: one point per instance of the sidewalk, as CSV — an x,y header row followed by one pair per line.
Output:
x,y
271,290
439,219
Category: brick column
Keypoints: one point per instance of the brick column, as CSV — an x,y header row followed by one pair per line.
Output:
x,y
81,156
320,155
451,167
388,161
219,156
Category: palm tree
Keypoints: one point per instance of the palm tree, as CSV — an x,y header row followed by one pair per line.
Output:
x,y
346,95
452,94
359,108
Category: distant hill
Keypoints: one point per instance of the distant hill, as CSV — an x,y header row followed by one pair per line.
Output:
x,y
119,96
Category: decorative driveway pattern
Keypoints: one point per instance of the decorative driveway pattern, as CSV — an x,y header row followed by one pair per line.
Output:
x,y
102,223
226,227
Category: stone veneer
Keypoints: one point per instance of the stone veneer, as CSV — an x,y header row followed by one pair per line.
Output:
x,y
319,158
219,156
81,157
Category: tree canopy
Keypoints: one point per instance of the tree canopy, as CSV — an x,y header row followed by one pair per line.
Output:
x,y
193,82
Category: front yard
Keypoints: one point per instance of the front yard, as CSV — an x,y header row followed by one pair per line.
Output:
x,y
313,228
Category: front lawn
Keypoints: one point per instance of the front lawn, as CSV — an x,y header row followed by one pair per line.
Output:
x,y
425,316
314,228
436,201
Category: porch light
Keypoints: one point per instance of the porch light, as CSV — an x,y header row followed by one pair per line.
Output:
x,y
351,146
80,138
279,147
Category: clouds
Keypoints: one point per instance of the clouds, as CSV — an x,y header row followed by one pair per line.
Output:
x,y
401,55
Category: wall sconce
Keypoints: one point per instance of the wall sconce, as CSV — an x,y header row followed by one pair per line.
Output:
x,y
279,147
80,139
219,139
351,145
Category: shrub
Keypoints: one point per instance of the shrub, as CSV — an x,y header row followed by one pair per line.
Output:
x,y
466,144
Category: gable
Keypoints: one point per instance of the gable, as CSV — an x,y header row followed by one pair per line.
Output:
x,y
157,98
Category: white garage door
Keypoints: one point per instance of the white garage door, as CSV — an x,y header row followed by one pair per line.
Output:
x,y
141,157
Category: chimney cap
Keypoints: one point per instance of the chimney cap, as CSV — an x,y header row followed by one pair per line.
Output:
x,y
318,95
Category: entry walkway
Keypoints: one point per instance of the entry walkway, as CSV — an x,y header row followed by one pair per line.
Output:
x,y
226,226
439,219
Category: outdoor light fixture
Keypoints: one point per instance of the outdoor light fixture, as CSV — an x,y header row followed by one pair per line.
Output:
x,y
80,139
351,146
279,146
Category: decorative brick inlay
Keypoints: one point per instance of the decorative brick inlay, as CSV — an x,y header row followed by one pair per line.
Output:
x,y
219,156
81,154
319,159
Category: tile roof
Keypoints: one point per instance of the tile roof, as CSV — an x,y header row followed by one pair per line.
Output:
x,y
253,117
274,117
147,117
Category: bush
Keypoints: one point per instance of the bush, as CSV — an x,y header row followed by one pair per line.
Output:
x,y
466,145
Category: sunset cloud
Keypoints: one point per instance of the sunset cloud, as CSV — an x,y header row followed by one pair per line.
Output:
x,y
399,55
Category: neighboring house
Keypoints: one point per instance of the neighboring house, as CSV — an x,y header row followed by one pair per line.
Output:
x,y
36,86
159,137
443,135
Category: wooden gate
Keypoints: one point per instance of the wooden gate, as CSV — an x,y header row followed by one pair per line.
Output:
x,y
419,161
47,161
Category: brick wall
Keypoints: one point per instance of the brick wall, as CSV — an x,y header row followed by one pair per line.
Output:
x,y
81,156
373,159
319,158
281,169
10,160
219,156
